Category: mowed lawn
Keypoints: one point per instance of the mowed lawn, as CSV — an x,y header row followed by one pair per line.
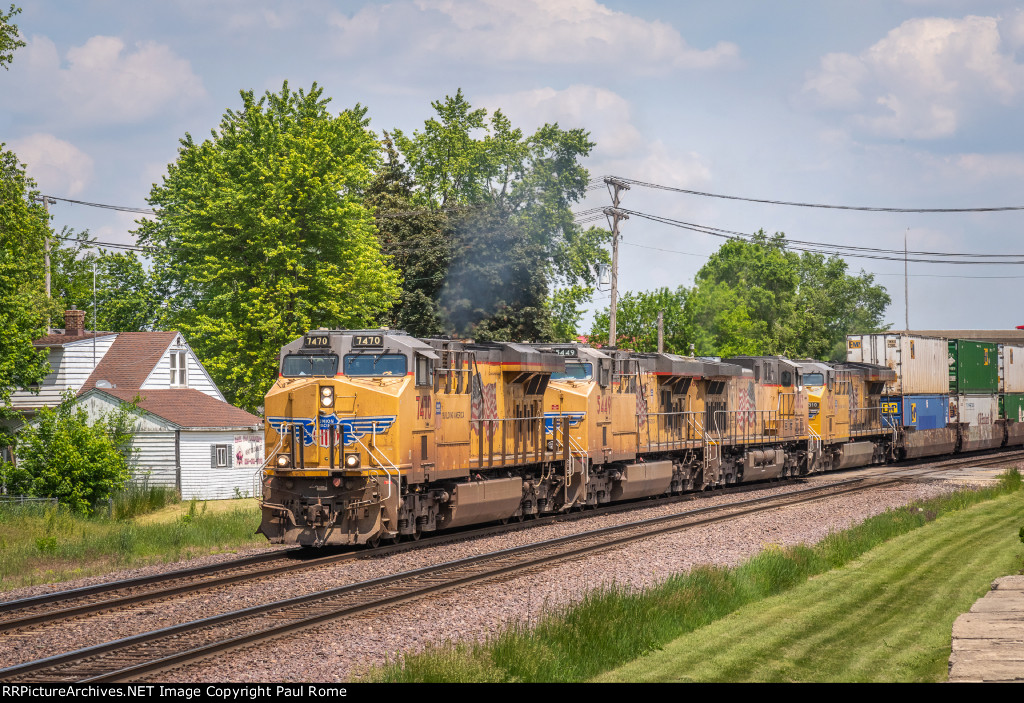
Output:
x,y
887,616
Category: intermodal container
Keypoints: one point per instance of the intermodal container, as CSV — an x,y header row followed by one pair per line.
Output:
x,y
973,366
1011,407
920,363
974,410
1011,368
924,412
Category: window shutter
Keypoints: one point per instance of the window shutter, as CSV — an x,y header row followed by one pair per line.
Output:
x,y
231,455
213,456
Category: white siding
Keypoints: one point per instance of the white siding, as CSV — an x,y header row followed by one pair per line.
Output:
x,y
204,482
197,378
70,368
154,458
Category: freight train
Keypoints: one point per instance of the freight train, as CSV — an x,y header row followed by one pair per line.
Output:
x,y
376,435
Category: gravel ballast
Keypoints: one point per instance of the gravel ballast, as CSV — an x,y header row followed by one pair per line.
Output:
x,y
343,650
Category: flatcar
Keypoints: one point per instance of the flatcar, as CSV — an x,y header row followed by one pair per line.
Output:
x,y
376,435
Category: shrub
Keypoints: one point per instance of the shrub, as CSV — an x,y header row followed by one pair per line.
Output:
x,y
62,455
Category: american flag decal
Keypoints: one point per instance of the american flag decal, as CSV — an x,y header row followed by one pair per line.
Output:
x,y
745,418
484,405
641,404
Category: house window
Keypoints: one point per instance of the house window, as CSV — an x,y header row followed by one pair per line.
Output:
x,y
179,377
220,455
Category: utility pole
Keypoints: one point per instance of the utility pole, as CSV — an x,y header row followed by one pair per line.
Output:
x,y
661,331
614,215
906,284
47,202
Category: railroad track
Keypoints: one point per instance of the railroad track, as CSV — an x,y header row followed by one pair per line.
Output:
x,y
168,648
61,605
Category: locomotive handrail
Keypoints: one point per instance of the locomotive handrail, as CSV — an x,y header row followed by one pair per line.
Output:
x,y
387,472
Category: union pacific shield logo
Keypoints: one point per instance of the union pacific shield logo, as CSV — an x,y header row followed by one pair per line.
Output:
x,y
352,428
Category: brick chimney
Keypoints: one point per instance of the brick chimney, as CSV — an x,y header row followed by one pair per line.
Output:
x,y
74,322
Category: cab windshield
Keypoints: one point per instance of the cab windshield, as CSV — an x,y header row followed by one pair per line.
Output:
x,y
375,365
309,365
814,379
574,371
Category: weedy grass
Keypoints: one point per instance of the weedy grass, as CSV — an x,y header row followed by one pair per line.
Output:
x,y
837,638
46,543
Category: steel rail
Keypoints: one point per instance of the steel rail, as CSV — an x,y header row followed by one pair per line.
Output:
x,y
84,665
52,616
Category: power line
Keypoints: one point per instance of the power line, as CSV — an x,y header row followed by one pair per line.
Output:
x,y
820,247
657,186
119,208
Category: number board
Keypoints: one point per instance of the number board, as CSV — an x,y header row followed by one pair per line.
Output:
x,y
367,340
566,351
317,341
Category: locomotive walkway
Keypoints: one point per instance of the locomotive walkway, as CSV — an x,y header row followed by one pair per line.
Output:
x,y
988,641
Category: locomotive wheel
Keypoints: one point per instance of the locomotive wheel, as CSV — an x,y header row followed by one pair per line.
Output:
x,y
373,542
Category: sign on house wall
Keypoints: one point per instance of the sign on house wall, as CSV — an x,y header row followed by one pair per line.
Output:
x,y
248,450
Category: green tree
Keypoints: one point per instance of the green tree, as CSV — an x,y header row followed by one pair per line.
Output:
x,y
636,321
126,299
9,41
62,455
510,198
760,297
24,228
262,233
418,240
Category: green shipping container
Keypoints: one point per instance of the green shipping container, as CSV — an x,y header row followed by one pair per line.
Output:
x,y
973,366
1011,407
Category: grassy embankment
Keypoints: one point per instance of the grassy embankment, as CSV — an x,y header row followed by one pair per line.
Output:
x,y
872,603
46,544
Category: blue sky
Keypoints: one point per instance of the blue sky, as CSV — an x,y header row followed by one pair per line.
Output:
x,y
911,104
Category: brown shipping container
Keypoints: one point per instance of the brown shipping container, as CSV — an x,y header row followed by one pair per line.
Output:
x,y
1011,368
921,363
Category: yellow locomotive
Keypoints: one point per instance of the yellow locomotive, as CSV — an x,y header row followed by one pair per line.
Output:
x,y
374,434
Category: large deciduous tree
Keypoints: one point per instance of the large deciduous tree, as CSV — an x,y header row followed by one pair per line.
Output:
x,y
756,297
513,240
24,228
125,299
9,39
262,233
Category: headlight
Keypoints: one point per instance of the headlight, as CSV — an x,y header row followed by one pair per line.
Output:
x,y
352,461
283,461
326,396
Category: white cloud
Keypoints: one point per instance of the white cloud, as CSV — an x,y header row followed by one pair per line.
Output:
x,y
606,115
924,76
102,81
57,166
622,149
531,31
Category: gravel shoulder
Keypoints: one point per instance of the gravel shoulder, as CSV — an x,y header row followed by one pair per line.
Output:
x,y
343,651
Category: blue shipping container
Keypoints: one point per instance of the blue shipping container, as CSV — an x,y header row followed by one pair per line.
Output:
x,y
925,412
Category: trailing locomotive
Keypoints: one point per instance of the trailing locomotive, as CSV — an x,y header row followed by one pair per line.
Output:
x,y
373,434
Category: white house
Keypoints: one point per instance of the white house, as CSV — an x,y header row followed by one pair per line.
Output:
x,y
188,437
204,447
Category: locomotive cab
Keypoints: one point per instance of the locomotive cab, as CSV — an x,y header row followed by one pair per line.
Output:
x,y
335,436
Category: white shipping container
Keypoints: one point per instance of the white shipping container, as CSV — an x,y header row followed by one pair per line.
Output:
x,y
975,410
921,363
1011,368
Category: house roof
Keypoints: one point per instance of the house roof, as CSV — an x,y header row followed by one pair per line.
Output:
x,y
59,339
130,359
185,407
